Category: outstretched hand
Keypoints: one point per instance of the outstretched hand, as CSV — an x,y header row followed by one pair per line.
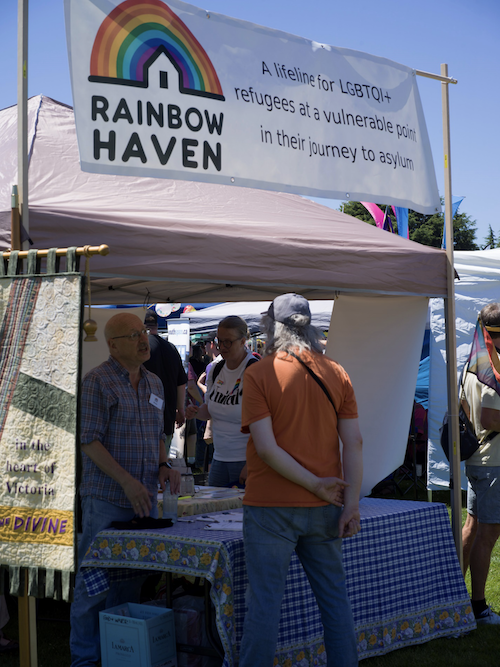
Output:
x,y
331,489
191,411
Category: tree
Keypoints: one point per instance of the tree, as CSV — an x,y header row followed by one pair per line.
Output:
x,y
427,229
490,241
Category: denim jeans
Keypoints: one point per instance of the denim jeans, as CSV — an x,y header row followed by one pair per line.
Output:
x,y
84,638
271,534
225,473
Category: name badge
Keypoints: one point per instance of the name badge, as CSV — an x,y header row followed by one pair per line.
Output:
x,y
156,401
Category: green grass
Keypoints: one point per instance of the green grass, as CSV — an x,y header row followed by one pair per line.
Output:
x,y
478,649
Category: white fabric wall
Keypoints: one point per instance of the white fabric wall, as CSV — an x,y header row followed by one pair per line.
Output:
x,y
479,284
378,340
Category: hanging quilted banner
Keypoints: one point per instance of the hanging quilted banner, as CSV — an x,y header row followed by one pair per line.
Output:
x,y
40,324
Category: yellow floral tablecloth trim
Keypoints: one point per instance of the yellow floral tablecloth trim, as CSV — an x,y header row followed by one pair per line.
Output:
x,y
417,629
380,639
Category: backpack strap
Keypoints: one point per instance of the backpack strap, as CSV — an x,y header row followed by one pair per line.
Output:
x,y
316,378
217,369
220,365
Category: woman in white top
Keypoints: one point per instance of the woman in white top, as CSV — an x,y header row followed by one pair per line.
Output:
x,y
223,403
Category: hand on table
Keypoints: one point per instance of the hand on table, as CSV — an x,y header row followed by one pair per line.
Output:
x,y
174,477
139,497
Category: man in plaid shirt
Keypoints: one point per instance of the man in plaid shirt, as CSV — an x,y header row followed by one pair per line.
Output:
x,y
124,459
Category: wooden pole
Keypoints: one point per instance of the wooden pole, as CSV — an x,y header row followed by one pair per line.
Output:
x,y
22,111
451,343
28,653
86,250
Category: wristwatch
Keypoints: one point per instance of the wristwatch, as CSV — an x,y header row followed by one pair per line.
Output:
x,y
164,464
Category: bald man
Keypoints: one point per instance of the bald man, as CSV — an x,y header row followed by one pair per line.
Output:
x,y
124,459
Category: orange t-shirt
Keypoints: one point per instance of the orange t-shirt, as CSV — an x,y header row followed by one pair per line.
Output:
x,y
304,423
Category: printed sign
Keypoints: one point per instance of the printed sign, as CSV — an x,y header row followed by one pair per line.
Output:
x,y
39,364
167,90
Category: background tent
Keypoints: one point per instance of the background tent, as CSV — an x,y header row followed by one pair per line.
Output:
x,y
207,320
479,284
183,242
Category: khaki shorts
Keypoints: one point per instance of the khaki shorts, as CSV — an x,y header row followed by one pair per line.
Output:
x,y
483,493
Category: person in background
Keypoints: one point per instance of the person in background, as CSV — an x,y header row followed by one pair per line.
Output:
x,y
195,428
301,494
124,459
198,359
166,363
482,525
222,405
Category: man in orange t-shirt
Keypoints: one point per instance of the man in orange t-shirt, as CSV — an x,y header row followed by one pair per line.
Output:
x,y
301,494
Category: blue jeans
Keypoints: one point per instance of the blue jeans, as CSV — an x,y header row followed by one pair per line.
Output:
x,y
271,534
84,638
225,473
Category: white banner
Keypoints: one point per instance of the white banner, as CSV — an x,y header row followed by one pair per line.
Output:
x,y
172,91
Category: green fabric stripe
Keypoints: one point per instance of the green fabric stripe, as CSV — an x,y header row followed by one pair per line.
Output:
x,y
44,401
13,333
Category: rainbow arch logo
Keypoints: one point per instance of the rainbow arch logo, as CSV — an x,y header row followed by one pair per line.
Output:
x,y
135,34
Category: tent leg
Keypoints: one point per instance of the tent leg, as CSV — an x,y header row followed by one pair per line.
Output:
x,y
451,344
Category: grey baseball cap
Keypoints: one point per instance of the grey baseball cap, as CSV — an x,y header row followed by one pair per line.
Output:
x,y
286,305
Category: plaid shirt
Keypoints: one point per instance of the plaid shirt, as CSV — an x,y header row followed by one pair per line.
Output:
x,y
126,423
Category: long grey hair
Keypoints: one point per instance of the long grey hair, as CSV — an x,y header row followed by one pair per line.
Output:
x,y
297,334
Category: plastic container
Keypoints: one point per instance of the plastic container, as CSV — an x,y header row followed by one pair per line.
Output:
x,y
169,504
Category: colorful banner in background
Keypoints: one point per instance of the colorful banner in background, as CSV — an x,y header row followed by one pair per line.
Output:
x,y
39,380
165,89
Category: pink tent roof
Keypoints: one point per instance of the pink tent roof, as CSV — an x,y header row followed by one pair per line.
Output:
x,y
190,241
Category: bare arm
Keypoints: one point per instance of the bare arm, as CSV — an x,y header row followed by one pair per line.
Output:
x,y
352,460
136,492
194,392
490,419
329,489
202,382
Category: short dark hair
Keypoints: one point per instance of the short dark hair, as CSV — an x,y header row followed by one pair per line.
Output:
x,y
490,317
151,318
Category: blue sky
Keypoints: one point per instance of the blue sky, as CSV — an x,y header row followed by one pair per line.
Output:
x,y
422,35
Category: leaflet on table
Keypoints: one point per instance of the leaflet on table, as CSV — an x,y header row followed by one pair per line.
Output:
x,y
235,526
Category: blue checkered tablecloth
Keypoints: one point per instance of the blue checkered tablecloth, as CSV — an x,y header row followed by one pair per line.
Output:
x,y
403,578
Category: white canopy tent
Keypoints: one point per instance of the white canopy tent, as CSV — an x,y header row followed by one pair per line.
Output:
x,y
479,284
206,320
184,241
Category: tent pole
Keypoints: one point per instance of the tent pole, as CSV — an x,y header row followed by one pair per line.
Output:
x,y
451,345
28,651
22,111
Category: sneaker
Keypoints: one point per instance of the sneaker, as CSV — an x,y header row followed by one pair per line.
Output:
x,y
488,617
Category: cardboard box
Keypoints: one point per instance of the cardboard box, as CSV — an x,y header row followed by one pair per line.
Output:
x,y
189,614
136,635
